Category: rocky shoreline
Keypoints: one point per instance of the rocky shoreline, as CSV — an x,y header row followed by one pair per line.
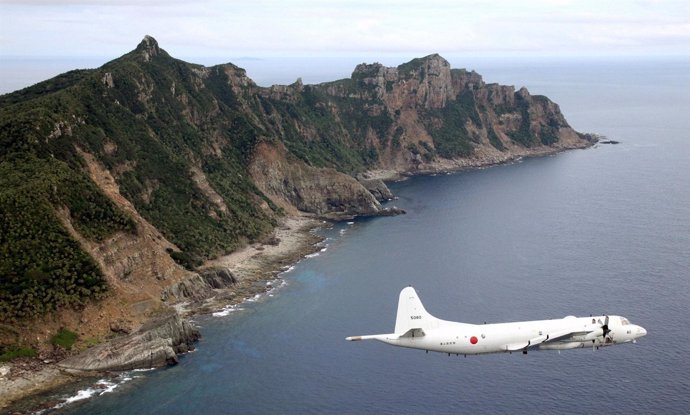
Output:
x,y
159,341
231,279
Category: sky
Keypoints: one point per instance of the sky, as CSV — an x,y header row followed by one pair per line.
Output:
x,y
42,38
260,28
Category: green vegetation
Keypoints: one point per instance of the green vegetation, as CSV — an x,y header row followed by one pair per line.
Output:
x,y
397,135
89,342
493,138
523,135
175,136
336,141
55,84
548,135
13,352
328,147
452,139
408,68
362,74
64,339
429,152
141,130
359,119
41,267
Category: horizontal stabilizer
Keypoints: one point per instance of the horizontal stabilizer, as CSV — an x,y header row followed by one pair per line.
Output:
x,y
411,333
371,337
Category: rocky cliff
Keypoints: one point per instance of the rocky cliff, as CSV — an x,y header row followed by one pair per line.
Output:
x,y
117,183
322,191
431,117
155,344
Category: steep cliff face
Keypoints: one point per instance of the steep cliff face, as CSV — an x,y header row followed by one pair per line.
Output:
x,y
433,117
322,191
117,182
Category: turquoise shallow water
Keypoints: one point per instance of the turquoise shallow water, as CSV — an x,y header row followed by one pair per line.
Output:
x,y
603,230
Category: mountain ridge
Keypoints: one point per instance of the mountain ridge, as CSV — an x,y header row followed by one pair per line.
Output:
x,y
139,171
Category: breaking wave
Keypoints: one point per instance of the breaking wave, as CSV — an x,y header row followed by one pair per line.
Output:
x,y
101,387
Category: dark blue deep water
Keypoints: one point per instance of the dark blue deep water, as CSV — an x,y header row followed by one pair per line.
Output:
x,y
603,230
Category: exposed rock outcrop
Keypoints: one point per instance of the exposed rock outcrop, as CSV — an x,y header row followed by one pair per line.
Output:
x,y
218,278
148,48
441,117
321,191
200,286
155,344
376,187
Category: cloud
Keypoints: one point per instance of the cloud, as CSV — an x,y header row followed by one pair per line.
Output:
x,y
94,3
294,27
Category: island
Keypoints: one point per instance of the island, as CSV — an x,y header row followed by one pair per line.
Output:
x,y
150,188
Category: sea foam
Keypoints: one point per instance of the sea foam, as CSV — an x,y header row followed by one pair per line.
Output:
x,y
101,387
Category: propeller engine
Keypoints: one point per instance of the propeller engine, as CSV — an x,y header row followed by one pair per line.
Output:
x,y
603,332
605,329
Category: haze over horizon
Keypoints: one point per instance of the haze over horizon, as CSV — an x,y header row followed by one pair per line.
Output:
x,y
215,31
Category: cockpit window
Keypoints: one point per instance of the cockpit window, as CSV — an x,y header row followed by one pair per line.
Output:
x,y
624,321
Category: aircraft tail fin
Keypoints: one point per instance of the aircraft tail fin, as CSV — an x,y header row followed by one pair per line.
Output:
x,y
412,314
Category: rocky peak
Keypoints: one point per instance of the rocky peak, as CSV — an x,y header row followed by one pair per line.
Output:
x,y
428,79
462,78
433,65
436,64
148,48
367,70
372,79
524,94
298,85
422,82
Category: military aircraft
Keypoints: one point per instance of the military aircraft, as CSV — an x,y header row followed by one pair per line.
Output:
x,y
416,328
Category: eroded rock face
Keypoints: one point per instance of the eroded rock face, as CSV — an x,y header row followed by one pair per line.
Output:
x,y
155,344
200,286
320,191
148,48
219,278
438,118
424,82
377,188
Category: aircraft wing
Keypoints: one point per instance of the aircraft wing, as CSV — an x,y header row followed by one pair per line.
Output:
x,y
546,338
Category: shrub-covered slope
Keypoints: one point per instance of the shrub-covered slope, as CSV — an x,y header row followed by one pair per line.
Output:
x,y
181,142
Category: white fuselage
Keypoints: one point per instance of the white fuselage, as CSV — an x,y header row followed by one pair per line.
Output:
x,y
462,338
416,328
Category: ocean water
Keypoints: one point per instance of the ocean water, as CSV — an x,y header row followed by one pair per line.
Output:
x,y
602,230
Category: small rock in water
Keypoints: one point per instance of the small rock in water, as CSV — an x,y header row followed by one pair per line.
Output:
x,y
391,211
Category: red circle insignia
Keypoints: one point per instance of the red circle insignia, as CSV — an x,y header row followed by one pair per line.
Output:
x,y
474,340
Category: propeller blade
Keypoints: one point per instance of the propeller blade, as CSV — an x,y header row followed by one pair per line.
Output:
x,y
605,329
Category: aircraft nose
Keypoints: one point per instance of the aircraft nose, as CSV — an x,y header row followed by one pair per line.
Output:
x,y
641,331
